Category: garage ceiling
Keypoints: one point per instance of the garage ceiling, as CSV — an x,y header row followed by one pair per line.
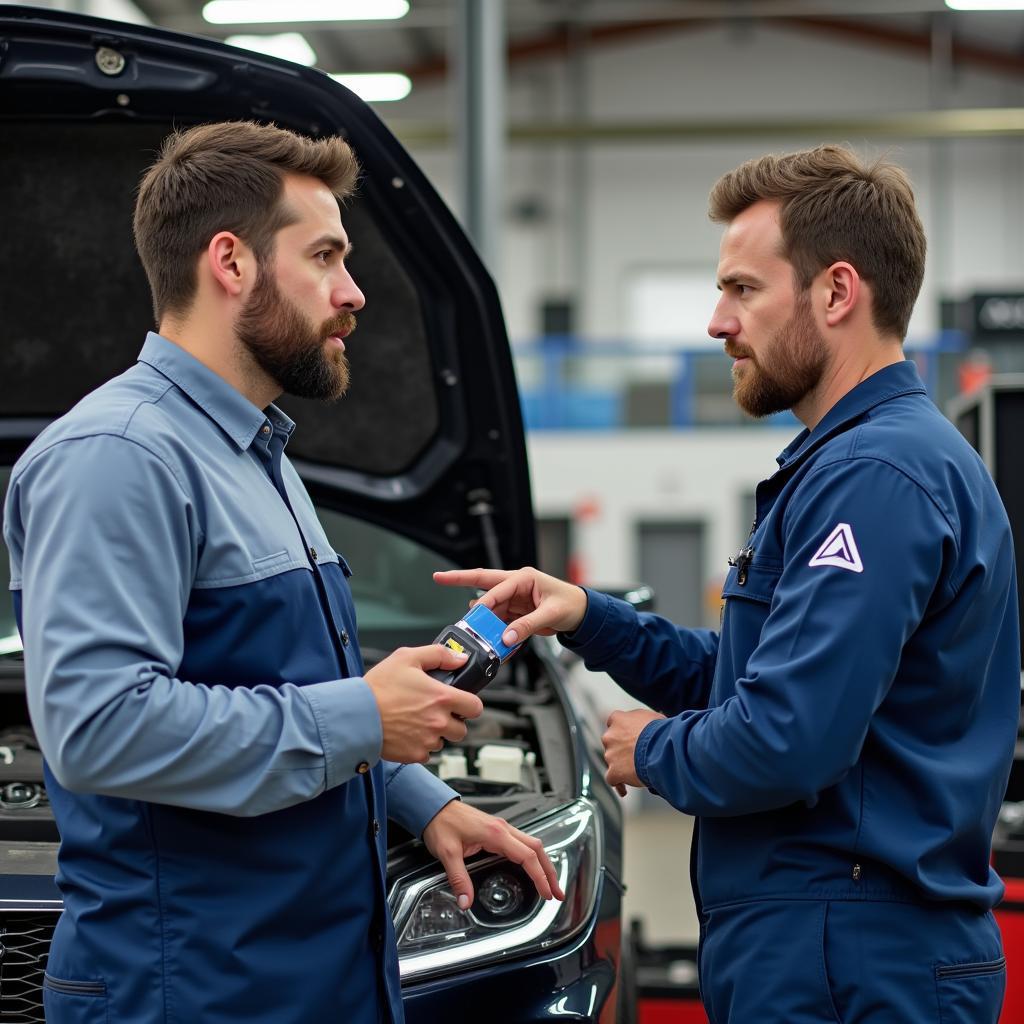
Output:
x,y
419,43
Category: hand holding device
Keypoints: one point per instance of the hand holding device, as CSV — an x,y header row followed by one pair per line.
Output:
x,y
478,636
417,713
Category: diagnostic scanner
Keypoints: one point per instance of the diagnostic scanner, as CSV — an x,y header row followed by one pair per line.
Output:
x,y
478,635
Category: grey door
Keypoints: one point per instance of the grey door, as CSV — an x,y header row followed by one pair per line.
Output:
x,y
670,558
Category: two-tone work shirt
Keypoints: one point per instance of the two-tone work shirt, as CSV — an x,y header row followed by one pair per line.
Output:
x,y
212,752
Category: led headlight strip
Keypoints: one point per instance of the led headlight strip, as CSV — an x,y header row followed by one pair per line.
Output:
x,y
434,935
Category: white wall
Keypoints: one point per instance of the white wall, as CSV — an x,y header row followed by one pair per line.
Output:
x,y
691,476
646,204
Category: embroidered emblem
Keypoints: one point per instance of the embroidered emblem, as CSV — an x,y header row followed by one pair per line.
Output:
x,y
840,550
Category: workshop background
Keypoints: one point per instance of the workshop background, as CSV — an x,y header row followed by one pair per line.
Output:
x,y
578,140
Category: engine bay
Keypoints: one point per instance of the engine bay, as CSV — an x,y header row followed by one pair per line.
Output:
x,y
516,759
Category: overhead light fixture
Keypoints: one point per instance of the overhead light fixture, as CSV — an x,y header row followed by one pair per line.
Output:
x,y
986,5
380,88
266,12
286,45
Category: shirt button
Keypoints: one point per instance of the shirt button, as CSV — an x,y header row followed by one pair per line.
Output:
x,y
376,828
363,767
265,429
344,637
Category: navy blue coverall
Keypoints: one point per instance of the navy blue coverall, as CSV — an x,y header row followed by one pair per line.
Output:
x,y
845,739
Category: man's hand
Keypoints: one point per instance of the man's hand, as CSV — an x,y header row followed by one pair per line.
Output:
x,y
527,599
458,831
619,739
418,713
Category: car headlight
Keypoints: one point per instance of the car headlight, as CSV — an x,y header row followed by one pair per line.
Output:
x,y
507,918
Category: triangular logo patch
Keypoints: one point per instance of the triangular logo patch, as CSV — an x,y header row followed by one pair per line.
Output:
x,y
840,550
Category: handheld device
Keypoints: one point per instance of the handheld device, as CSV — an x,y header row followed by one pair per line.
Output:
x,y
478,635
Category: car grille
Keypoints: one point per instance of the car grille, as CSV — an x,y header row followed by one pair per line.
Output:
x,y
24,947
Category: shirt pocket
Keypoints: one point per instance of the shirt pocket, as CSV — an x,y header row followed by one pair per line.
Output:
x,y
260,565
756,583
971,993
745,608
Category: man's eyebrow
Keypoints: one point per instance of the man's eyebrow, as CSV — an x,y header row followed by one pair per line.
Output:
x,y
737,278
333,242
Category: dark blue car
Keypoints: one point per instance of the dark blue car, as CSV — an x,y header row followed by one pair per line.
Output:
x,y
422,467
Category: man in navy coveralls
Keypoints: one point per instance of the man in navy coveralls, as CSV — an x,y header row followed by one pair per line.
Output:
x,y
845,738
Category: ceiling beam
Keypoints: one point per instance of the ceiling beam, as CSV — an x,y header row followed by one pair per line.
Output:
x,y
916,43
701,14
926,124
559,43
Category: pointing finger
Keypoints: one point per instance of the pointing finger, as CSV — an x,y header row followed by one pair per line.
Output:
x,y
482,579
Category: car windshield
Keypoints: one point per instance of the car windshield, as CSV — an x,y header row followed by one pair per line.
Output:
x,y
397,602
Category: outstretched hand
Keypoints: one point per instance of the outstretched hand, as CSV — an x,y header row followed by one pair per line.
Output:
x,y
530,601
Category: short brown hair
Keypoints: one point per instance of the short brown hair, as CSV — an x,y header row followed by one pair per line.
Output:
x,y
224,177
836,207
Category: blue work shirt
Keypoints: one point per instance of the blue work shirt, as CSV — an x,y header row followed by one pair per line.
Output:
x,y
212,752
848,733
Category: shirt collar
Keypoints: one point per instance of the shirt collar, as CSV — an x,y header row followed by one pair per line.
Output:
x,y
224,404
889,382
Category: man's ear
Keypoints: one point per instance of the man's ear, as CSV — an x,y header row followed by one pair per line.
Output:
x,y
231,263
842,291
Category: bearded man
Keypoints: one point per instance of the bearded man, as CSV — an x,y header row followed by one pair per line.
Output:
x,y
216,757
845,739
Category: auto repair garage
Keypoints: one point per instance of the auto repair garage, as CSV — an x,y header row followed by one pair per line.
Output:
x,y
683,303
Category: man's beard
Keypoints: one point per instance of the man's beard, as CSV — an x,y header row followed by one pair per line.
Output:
x,y
289,348
789,367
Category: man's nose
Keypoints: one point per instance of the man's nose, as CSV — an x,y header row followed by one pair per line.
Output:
x,y
723,325
346,294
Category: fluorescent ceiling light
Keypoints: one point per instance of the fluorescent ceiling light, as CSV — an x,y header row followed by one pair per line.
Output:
x,y
377,88
986,5
286,45
265,12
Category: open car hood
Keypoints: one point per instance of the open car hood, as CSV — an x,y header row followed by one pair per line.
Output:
x,y
428,442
